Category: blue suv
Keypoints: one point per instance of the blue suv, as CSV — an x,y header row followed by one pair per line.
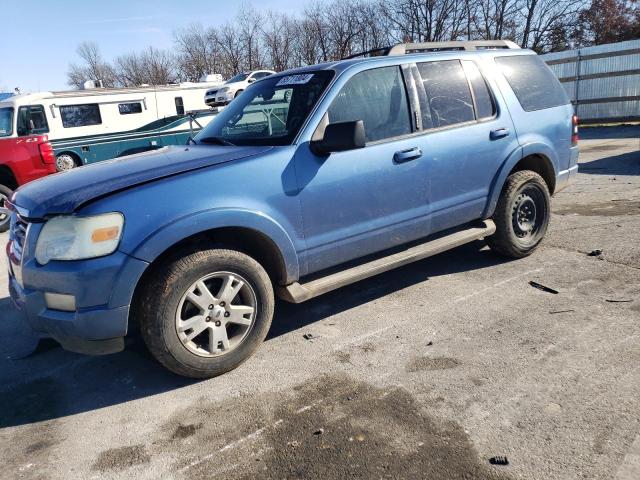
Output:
x,y
311,179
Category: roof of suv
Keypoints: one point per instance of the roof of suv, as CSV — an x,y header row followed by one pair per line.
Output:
x,y
341,65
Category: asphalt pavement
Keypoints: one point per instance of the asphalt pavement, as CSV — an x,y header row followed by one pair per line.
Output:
x,y
427,371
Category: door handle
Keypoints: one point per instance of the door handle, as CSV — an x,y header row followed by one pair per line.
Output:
x,y
407,155
498,133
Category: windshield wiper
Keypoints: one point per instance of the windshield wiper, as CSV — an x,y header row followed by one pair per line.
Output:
x,y
217,141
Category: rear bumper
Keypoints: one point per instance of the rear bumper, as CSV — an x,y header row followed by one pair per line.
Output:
x,y
567,177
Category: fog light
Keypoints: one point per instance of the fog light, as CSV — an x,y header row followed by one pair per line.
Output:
x,y
59,301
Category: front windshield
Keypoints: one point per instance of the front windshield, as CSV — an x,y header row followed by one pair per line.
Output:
x,y
269,112
6,121
238,78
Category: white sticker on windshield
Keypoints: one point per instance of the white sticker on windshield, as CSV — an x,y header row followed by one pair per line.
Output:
x,y
295,79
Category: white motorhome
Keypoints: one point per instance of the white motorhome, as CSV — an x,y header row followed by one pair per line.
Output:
x,y
98,111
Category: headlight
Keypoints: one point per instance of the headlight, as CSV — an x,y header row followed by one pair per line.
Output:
x,y
223,90
78,238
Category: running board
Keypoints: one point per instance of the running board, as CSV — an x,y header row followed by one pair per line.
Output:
x,y
297,293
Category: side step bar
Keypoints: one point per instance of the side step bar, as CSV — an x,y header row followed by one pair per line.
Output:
x,y
297,293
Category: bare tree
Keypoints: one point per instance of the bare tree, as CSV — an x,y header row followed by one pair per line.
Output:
x,y
249,27
197,53
542,19
332,29
93,68
279,38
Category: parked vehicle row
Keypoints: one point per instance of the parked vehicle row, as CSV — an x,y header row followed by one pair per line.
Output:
x,y
312,179
86,126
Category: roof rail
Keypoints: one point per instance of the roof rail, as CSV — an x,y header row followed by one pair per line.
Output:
x,y
427,47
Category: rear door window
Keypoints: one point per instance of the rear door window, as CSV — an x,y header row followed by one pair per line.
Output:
x,y
80,115
533,82
448,95
378,98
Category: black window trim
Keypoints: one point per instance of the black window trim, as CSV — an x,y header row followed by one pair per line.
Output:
x,y
416,110
473,93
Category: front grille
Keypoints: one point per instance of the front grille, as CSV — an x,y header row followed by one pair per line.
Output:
x,y
18,235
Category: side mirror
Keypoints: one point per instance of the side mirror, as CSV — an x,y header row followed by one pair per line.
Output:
x,y
251,80
339,137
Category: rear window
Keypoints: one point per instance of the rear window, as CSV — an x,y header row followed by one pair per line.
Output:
x,y
533,82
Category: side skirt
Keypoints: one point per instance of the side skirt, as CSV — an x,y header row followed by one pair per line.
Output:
x,y
297,292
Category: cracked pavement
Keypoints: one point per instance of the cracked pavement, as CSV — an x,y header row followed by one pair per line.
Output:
x,y
423,372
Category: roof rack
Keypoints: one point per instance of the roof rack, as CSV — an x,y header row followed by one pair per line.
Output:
x,y
428,47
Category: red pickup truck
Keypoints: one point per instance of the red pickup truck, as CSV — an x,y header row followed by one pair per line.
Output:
x,y
22,159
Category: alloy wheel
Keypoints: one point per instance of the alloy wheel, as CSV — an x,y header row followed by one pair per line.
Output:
x,y
65,162
216,314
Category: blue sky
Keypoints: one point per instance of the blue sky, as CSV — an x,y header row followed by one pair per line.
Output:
x,y
39,37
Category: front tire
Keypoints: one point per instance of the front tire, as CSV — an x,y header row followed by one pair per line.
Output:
x,y
522,215
205,312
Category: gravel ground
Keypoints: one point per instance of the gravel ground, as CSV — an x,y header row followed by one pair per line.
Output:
x,y
424,372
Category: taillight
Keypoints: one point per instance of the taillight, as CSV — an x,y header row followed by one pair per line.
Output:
x,y
46,152
574,130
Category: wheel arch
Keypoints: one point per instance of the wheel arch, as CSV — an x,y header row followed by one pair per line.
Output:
x,y
540,161
76,157
7,177
252,232
252,242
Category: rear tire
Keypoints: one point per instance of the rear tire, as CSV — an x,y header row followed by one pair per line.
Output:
x,y
66,161
5,193
521,216
192,321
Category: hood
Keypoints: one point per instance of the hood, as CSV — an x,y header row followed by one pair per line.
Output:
x,y
63,193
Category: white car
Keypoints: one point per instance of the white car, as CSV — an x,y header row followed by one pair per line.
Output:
x,y
219,96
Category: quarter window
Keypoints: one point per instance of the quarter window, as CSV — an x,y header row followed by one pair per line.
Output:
x,y
179,106
485,106
448,94
32,120
378,98
533,82
129,108
80,115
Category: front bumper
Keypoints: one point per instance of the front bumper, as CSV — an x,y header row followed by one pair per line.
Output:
x,y
220,99
102,289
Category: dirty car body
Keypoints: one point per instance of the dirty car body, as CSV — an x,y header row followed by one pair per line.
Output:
x,y
259,180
